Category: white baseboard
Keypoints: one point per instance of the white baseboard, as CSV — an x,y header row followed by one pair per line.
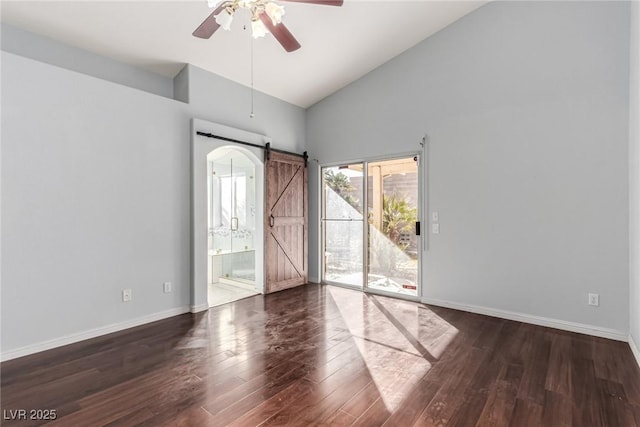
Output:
x,y
634,349
534,320
199,308
92,333
314,279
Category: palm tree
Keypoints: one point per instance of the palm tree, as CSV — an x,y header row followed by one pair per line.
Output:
x,y
397,217
341,184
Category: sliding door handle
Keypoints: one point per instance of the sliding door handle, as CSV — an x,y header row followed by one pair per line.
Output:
x,y
272,220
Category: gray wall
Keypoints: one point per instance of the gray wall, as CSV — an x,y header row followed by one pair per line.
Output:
x,y
526,108
214,96
634,176
44,49
92,202
96,194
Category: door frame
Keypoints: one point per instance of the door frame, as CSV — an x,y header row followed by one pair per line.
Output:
x,y
365,228
200,148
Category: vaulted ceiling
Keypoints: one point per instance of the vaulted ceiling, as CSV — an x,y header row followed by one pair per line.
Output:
x,y
339,44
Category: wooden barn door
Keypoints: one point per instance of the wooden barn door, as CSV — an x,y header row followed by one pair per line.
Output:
x,y
285,222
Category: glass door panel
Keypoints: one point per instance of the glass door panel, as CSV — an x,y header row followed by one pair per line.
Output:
x,y
232,209
343,224
392,205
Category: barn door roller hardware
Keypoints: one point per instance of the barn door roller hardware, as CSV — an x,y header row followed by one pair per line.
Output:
x,y
267,147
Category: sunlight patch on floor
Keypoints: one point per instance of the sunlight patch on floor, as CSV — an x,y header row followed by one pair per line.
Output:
x,y
399,341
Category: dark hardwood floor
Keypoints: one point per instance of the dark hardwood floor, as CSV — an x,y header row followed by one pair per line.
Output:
x,y
320,355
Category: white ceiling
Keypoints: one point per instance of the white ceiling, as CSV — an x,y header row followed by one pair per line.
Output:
x,y
339,44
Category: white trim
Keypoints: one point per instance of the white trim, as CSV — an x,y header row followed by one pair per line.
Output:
x,y
91,333
534,320
371,159
634,349
199,308
314,279
320,228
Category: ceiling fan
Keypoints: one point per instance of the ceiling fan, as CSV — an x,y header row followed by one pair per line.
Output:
x,y
266,17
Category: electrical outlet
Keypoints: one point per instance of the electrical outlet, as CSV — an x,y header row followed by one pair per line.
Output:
x,y
167,287
434,216
594,299
435,228
127,295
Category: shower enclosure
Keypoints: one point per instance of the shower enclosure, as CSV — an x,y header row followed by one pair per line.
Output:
x,y
232,221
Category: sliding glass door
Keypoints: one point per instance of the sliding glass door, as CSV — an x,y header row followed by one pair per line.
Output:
x,y
393,225
378,248
342,224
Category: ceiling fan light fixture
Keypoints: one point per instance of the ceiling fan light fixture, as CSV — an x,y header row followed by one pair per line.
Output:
x,y
266,17
258,29
225,18
275,12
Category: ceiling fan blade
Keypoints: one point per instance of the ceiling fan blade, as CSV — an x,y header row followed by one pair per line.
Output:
x,y
281,33
321,2
209,25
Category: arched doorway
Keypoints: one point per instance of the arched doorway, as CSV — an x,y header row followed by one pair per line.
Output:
x,y
203,151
